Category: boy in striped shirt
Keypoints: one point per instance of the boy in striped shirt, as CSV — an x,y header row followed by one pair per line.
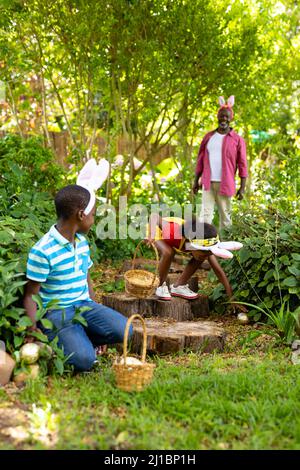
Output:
x,y
58,268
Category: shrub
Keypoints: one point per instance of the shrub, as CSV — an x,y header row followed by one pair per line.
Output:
x,y
27,219
266,271
27,173
25,164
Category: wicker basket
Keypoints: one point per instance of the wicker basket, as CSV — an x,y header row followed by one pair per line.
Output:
x,y
138,282
133,377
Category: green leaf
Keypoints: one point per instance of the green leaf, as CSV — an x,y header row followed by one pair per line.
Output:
x,y
244,255
263,284
269,274
284,259
294,290
37,299
47,323
81,310
244,293
79,319
39,314
109,287
296,256
59,365
5,238
39,336
18,340
16,356
12,314
290,281
294,270
25,321
270,288
284,236
53,303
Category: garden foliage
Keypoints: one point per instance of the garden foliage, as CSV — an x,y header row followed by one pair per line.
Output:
x,y
266,271
28,172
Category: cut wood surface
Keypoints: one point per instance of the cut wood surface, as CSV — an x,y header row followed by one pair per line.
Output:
x,y
177,309
165,337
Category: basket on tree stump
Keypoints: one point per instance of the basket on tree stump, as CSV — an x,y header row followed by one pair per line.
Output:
x,y
138,282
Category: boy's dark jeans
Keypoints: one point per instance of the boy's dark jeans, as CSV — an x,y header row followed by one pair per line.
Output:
x,y
104,326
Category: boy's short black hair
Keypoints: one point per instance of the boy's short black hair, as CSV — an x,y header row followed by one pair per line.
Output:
x,y
70,200
194,229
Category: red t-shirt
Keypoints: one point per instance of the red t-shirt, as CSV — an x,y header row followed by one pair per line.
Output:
x,y
172,233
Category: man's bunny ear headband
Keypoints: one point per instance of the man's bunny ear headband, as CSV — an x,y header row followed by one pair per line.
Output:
x,y
229,105
91,177
220,249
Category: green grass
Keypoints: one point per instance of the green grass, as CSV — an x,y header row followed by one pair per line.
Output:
x,y
232,401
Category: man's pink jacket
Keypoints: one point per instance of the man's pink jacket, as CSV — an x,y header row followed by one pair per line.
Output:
x,y
233,158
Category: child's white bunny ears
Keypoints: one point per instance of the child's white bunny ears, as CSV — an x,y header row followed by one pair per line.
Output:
x,y
91,177
220,249
229,105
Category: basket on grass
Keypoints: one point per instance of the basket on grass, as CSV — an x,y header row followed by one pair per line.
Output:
x,y
138,282
132,374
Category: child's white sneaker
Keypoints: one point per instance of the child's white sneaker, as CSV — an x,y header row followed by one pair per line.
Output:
x,y
183,291
163,292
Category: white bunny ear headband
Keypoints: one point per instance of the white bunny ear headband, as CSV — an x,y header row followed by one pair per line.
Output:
x,y
229,105
220,249
91,177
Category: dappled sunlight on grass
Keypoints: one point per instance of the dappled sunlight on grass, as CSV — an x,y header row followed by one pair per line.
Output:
x,y
43,425
239,399
28,425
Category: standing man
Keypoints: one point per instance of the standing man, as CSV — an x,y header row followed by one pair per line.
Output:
x,y
221,153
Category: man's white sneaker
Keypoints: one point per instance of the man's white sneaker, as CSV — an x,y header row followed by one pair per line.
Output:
x,y
163,292
183,291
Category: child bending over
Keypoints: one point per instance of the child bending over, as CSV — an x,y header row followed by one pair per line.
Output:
x,y
173,234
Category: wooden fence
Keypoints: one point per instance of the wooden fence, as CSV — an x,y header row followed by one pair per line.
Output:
x,y
60,141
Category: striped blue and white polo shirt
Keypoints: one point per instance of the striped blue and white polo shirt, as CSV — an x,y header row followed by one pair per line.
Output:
x,y
61,268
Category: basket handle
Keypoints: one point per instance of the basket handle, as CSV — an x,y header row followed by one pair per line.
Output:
x,y
156,255
129,321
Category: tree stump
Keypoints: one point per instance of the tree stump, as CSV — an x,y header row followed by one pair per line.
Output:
x,y
170,337
192,282
176,309
124,304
